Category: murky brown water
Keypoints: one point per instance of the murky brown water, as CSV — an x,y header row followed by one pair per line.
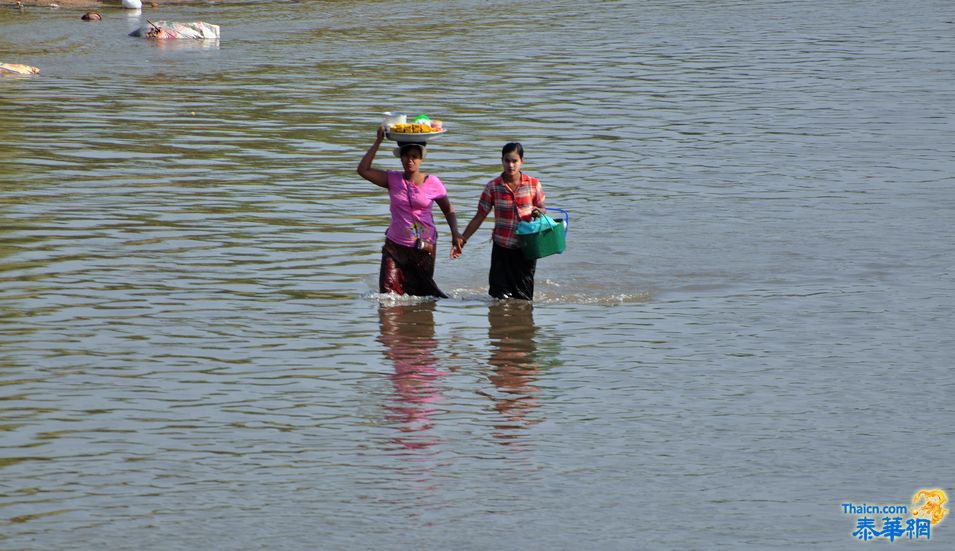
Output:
x,y
752,323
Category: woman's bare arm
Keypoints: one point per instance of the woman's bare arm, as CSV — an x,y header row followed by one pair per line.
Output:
x,y
374,175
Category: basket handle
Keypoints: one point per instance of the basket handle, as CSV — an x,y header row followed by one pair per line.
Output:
x,y
566,218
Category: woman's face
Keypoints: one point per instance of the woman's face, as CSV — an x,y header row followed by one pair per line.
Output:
x,y
411,159
512,163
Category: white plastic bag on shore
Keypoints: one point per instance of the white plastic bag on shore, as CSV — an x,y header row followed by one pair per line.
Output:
x,y
169,29
18,69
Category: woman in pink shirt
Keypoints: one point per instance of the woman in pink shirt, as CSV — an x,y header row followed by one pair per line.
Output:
x,y
407,258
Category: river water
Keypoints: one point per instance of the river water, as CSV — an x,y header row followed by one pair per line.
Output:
x,y
751,326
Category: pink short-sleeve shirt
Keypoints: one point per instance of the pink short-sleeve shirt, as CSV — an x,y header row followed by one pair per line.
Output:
x,y
406,216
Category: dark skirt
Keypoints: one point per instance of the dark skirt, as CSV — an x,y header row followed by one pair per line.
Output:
x,y
407,271
511,275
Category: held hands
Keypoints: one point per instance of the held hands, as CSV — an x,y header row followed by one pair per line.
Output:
x,y
457,246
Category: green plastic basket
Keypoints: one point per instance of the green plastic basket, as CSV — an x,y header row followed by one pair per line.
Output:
x,y
547,241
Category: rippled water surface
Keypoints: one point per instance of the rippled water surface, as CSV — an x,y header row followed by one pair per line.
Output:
x,y
752,323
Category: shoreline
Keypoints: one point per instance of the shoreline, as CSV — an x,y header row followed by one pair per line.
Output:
x,y
92,4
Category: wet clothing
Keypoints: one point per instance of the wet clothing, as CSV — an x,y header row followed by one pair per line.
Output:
x,y
405,219
511,275
510,207
407,271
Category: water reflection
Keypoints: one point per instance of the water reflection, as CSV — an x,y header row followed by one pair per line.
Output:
x,y
407,332
512,334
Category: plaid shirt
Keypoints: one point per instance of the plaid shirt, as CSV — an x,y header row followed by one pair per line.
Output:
x,y
510,207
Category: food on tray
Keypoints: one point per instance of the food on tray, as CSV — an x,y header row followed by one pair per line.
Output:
x,y
413,128
404,129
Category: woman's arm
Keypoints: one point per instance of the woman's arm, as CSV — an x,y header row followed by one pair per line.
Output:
x,y
452,219
473,226
539,195
365,170
450,215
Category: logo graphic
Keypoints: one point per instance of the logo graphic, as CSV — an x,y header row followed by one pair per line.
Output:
x,y
933,508
927,510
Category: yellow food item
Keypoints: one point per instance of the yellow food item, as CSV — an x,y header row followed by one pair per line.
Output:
x,y
412,128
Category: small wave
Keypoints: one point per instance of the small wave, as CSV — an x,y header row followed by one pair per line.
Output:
x,y
548,295
392,299
581,298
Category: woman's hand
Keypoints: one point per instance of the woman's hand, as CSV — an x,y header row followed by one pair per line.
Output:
x,y
457,246
381,133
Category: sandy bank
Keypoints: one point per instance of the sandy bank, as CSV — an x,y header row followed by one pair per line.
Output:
x,y
93,4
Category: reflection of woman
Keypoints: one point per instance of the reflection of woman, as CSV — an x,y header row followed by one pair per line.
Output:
x,y
407,258
512,334
513,195
407,332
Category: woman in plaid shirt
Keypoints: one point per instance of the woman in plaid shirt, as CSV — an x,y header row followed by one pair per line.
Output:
x,y
513,195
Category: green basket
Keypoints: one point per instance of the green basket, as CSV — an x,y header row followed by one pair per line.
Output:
x,y
547,241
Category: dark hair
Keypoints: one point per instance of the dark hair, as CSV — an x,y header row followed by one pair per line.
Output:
x,y
513,146
405,148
